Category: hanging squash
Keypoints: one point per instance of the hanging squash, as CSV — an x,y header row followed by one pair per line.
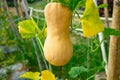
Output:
x,y
57,47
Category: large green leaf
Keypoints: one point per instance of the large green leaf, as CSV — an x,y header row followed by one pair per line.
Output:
x,y
75,71
27,28
72,4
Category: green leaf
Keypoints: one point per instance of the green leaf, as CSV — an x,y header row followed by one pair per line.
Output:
x,y
27,28
70,3
31,75
75,71
27,35
102,5
82,3
109,31
74,4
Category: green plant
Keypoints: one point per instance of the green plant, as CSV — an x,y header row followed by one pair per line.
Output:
x,y
3,77
87,58
29,29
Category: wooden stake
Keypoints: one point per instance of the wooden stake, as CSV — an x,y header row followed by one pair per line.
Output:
x,y
106,14
20,9
114,49
12,25
16,6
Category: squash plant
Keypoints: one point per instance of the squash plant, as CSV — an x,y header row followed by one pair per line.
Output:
x,y
58,13
58,47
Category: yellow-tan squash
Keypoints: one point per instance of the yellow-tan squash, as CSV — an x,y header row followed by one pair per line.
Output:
x,y
57,48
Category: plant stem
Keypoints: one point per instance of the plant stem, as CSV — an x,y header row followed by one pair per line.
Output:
x,y
92,75
41,46
77,14
41,49
52,0
37,55
50,67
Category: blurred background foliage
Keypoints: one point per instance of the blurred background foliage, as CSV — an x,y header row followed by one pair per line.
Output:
x,y
17,50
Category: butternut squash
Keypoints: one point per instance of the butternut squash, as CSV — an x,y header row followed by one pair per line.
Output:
x,y
57,47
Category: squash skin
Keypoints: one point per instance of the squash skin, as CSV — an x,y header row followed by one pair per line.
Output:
x,y
58,47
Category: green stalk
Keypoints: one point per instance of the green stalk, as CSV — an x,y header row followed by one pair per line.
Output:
x,y
52,0
41,49
41,45
77,14
37,55
50,67
39,42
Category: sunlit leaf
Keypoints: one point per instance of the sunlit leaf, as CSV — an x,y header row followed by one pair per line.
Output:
x,y
47,75
31,75
90,20
27,28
